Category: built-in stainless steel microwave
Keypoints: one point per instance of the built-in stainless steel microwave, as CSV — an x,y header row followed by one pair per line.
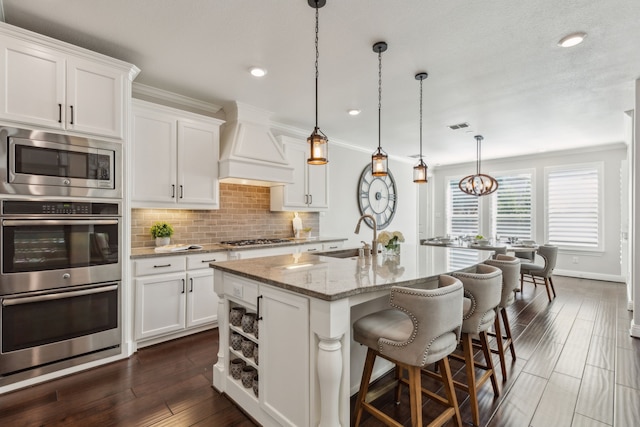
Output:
x,y
46,164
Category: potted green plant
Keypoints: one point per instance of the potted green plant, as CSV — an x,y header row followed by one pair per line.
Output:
x,y
162,232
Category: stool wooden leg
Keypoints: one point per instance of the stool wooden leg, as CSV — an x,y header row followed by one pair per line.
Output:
x,y
364,386
507,329
447,380
467,350
398,374
521,283
484,340
415,395
503,366
552,287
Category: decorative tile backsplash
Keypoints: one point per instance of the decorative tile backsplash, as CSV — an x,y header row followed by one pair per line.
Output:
x,y
244,214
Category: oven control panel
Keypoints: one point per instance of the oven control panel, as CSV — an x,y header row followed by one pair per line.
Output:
x,y
47,208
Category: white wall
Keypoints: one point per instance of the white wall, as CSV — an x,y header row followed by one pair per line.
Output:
x,y
345,166
596,265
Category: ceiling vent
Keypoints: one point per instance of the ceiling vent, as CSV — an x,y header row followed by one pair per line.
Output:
x,y
464,125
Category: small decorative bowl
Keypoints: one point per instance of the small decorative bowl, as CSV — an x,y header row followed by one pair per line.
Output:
x,y
235,315
235,367
247,348
248,372
247,322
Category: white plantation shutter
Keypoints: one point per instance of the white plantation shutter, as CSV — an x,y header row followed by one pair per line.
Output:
x,y
512,206
574,206
462,211
462,218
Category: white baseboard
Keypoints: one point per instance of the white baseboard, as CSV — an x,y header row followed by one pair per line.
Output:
x,y
590,275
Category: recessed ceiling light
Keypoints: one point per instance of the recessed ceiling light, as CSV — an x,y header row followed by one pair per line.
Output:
x,y
258,72
572,39
353,112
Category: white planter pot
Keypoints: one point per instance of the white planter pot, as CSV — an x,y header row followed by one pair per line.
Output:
x,y
162,241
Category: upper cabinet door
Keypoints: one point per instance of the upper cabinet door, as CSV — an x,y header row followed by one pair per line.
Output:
x,y
33,85
295,194
198,153
318,182
153,163
94,98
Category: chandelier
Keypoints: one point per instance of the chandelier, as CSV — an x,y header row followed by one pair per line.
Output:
x,y
318,141
478,184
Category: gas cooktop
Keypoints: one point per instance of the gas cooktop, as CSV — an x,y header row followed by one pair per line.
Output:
x,y
254,242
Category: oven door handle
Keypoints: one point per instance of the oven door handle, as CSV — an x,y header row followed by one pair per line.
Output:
x,y
8,301
28,222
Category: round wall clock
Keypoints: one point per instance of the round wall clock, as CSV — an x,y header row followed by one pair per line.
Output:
x,y
378,197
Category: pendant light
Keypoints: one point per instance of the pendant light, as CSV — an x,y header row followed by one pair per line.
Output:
x,y
379,159
318,141
478,184
420,170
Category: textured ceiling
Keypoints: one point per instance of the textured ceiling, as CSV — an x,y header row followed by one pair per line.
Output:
x,y
494,64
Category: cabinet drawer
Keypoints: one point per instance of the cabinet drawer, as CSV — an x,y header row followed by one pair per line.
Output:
x,y
240,289
329,246
161,265
316,247
198,261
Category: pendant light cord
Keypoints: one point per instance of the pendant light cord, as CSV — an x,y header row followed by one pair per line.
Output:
x,y
478,139
379,94
316,64
421,119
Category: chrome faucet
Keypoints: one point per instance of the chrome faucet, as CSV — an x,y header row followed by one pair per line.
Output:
x,y
374,242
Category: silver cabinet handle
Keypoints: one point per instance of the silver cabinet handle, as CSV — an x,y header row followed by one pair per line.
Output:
x,y
71,121
33,222
181,192
312,249
310,199
183,288
173,191
59,113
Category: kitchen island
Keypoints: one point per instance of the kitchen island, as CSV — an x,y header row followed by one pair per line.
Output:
x,y
307,362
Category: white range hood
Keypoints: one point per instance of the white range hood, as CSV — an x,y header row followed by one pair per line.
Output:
x,y
249,153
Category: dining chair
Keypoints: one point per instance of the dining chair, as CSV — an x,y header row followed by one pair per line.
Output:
x,y
510,267
549,254
422,327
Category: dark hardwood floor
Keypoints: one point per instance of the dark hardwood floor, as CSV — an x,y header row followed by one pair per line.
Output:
x,y
576,366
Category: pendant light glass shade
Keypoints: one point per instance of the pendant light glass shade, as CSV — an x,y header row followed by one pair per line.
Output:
x,y
420,170
478,184
318,141
379,159
420,173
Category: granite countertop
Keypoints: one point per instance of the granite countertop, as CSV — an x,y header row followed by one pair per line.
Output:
x,y
329,278
149,252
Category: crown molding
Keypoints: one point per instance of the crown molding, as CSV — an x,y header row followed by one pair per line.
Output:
x,y
142,90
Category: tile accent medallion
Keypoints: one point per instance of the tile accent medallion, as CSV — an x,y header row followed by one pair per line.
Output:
x,y
244,214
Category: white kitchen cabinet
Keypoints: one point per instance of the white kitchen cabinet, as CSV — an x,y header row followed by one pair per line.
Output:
x,y
309,190
284,392
174,158
174,296
55,85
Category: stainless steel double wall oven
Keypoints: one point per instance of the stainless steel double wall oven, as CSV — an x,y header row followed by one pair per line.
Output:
x,y
61,266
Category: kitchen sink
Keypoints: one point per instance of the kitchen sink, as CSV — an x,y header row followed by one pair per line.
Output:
x,y
342,253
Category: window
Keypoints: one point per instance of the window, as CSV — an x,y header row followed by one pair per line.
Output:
x,y
574,200
512,207
462,219
462,211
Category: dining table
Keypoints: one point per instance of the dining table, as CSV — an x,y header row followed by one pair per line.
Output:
x,y
489,244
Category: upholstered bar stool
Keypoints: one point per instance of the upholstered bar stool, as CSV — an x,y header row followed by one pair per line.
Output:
x,y
510,267
549,254
483,288
423,327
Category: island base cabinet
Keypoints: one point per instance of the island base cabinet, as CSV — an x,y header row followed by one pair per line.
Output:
x,y
284,355
283,365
